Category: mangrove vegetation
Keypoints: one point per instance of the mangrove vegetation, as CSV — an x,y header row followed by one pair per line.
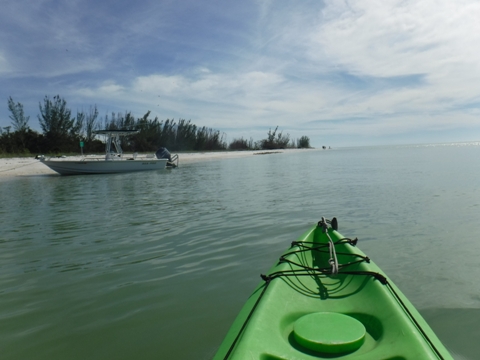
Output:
x,y
63,131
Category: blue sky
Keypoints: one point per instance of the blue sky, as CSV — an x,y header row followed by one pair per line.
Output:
x,y
341,72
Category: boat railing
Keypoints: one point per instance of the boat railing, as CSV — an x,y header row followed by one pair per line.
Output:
x,y
135,156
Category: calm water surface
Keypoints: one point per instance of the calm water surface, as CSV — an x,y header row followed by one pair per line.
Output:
x,y
157,265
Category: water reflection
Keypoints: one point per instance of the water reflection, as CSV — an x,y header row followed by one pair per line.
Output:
x,y
130,265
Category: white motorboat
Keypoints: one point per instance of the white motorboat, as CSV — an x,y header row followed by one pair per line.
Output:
x,y
112,162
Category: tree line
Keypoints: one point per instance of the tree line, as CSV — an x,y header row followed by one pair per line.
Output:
x,y
63,130
274,140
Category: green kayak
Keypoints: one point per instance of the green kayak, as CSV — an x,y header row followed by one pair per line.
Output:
x,y
325,299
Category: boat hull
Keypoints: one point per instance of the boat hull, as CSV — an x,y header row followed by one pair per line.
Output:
x,y
67,167
302,284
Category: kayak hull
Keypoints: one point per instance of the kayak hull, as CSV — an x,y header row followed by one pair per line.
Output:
x,y
271,325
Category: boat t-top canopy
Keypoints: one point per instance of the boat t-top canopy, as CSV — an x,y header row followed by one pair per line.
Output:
x,y
113,136
116,132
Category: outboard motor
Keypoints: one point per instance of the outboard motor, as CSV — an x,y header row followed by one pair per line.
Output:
x,y
163,153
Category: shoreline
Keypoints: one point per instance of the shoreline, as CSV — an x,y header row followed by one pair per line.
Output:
x,y
29,166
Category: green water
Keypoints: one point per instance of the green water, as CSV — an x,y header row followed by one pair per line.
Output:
x,y
157,265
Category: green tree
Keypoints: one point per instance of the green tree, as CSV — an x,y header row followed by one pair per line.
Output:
x,y
17,140
19,120
78,125
55,118
56,122
303,142
274,140
148,138
238,144
91,123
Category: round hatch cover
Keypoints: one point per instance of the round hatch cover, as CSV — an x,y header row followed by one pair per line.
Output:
x,y
329,332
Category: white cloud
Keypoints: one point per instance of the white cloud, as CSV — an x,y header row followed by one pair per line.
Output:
x,y
210,87
5,67
393,38
110,89
436,40
366,67
159,84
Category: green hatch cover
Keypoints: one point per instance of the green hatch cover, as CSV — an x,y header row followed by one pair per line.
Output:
x,y
329,332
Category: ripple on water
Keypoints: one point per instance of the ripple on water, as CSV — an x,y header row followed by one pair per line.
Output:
x,y
124,266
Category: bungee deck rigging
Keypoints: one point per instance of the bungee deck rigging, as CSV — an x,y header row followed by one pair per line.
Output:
x,y
309,302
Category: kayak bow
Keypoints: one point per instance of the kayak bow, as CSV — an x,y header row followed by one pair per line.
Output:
x,y
326,299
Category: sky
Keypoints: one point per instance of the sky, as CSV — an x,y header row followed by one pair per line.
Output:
x,y
343,73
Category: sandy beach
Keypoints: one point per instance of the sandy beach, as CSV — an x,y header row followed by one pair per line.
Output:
x,y
29,166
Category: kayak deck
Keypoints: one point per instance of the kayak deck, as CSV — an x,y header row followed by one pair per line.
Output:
x,y
310,306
